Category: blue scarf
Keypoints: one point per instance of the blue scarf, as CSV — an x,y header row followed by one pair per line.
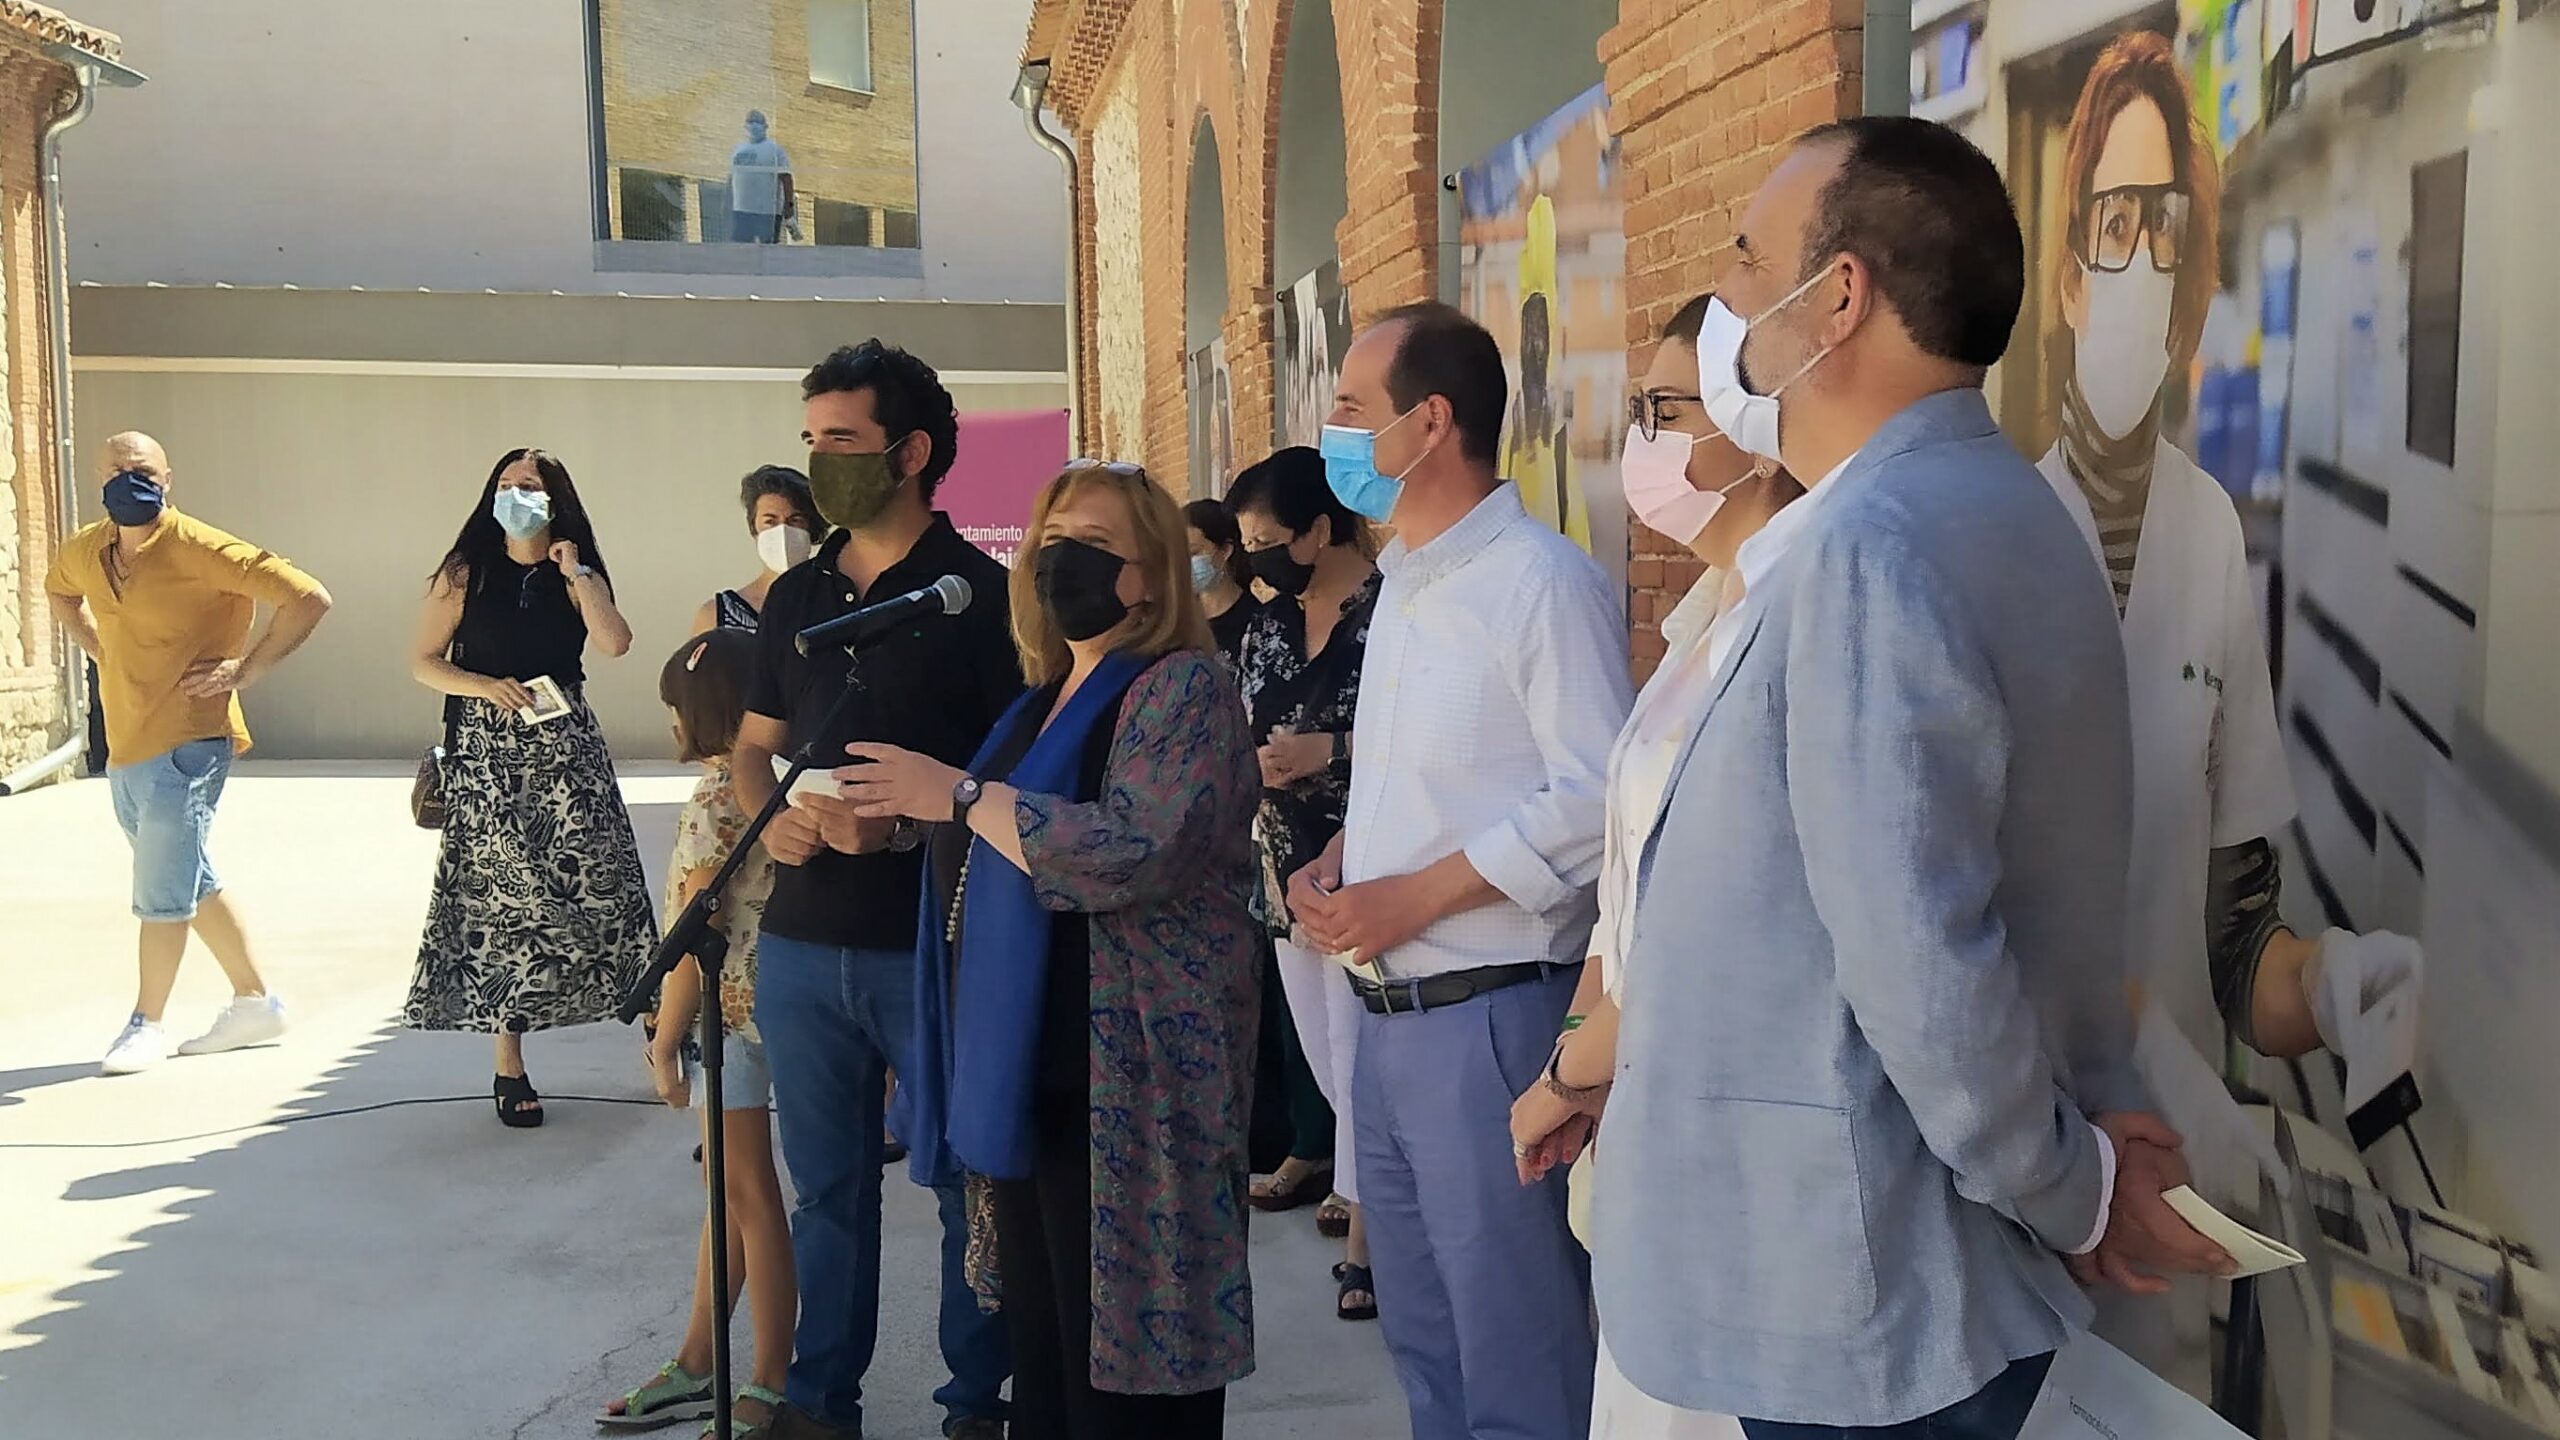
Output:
x,y
970,1107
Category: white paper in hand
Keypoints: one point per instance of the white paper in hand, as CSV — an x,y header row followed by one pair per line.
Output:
x,y
549,703
2381,1044
2097,1392
811,782
2256,1254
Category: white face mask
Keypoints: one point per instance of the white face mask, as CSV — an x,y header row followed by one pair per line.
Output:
x,y
2121,353
1750,421
1655,475
782,546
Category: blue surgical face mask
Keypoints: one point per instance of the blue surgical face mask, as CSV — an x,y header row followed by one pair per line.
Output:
x,y
521,513
133,498
1204,574
1351,468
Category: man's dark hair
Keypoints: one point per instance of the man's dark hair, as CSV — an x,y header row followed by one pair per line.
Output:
x,y
906,396
1442,352
1929,215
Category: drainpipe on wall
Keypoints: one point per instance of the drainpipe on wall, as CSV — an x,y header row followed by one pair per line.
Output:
x,y
1887,59
1029,92
88,72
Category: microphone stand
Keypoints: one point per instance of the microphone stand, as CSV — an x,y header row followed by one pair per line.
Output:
x,y
696,932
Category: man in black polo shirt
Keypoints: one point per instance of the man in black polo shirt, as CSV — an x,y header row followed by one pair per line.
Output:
x,y
835,987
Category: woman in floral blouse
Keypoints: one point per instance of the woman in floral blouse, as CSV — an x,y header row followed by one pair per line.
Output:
x,y
1086,984
1301,678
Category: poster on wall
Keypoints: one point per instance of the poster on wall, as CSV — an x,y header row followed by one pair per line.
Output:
x,y
998,465
2128,283
764,130
1213,429
1315,331
1541,263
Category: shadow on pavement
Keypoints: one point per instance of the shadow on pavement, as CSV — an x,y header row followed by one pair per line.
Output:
x,y
14,1083
408,1271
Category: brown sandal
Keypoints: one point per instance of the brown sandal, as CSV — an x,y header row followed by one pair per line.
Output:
x,y
1295,1194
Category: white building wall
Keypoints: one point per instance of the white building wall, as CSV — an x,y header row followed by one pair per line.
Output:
x,y
334,143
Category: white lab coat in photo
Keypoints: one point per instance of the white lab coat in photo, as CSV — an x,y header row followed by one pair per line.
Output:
x,y
2209,771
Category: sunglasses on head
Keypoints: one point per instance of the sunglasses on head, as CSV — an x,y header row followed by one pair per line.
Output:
x,y
1109,467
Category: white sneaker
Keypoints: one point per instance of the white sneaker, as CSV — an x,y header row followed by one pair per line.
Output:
x,y
142,1045
247,1020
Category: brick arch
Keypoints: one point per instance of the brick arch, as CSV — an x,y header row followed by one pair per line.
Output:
x,y
1213,48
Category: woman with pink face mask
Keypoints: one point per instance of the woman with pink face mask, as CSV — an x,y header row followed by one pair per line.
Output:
x,y
1692,486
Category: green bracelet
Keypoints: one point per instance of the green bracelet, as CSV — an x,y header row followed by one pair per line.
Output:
x,y
1573,1023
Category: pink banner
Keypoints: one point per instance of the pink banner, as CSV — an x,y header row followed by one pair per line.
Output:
x,y
1005,456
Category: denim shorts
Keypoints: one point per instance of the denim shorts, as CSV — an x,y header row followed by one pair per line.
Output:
x,y
746,1081
165,805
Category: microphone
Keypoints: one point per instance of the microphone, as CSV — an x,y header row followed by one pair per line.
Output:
x,y
946,596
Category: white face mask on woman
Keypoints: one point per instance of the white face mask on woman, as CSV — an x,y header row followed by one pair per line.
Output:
x,y
2121,353
782,546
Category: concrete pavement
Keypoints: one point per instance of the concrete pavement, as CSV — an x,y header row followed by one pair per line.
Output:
x,y
209,1249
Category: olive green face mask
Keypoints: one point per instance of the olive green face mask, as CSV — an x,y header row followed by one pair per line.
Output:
x,y
851,490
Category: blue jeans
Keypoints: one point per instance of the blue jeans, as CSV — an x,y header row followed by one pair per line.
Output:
x,y
1998,1411
165,805
833,1020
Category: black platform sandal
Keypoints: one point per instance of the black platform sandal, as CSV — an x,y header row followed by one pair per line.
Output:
x,y
519,1108
1354,1280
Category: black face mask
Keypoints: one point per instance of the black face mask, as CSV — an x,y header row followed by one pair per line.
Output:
x,y
1274,566
1079,585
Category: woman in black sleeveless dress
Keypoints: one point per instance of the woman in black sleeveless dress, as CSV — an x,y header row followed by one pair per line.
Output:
x,y
540,915
784,521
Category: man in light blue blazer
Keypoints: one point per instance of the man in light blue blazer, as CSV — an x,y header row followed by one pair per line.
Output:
x,y
1874,1068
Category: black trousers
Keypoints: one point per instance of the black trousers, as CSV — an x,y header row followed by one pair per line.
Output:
x,y
1044,1248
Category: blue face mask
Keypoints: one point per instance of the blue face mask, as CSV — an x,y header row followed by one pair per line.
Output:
x,y
521,513
1351,468
133,498
1204,574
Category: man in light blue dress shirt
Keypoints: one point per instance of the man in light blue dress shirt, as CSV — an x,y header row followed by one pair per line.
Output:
x,y
1463,883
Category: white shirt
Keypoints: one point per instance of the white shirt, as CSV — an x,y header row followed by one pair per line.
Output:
x,y
1695,651
756,169
1648,750
1495,683
2209,767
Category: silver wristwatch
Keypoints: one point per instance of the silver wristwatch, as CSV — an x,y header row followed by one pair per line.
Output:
x,y
964,795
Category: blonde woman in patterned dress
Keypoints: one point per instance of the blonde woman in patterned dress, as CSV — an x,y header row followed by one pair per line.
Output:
x,y
704,685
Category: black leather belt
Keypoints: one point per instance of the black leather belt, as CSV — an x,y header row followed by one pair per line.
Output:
x,y
1408,997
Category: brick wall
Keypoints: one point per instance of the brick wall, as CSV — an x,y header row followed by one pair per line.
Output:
x,y
680,77
1703,94
1121,281
32,718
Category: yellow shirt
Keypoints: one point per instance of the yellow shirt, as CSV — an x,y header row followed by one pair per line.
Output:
x,y
188,593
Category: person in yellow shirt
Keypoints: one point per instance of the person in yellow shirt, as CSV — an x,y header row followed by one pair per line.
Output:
x,y
164,602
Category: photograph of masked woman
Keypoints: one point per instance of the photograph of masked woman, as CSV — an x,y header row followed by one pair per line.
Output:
x,y
2211,785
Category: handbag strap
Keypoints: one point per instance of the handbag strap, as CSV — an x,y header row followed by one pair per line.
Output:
x,y
452,703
